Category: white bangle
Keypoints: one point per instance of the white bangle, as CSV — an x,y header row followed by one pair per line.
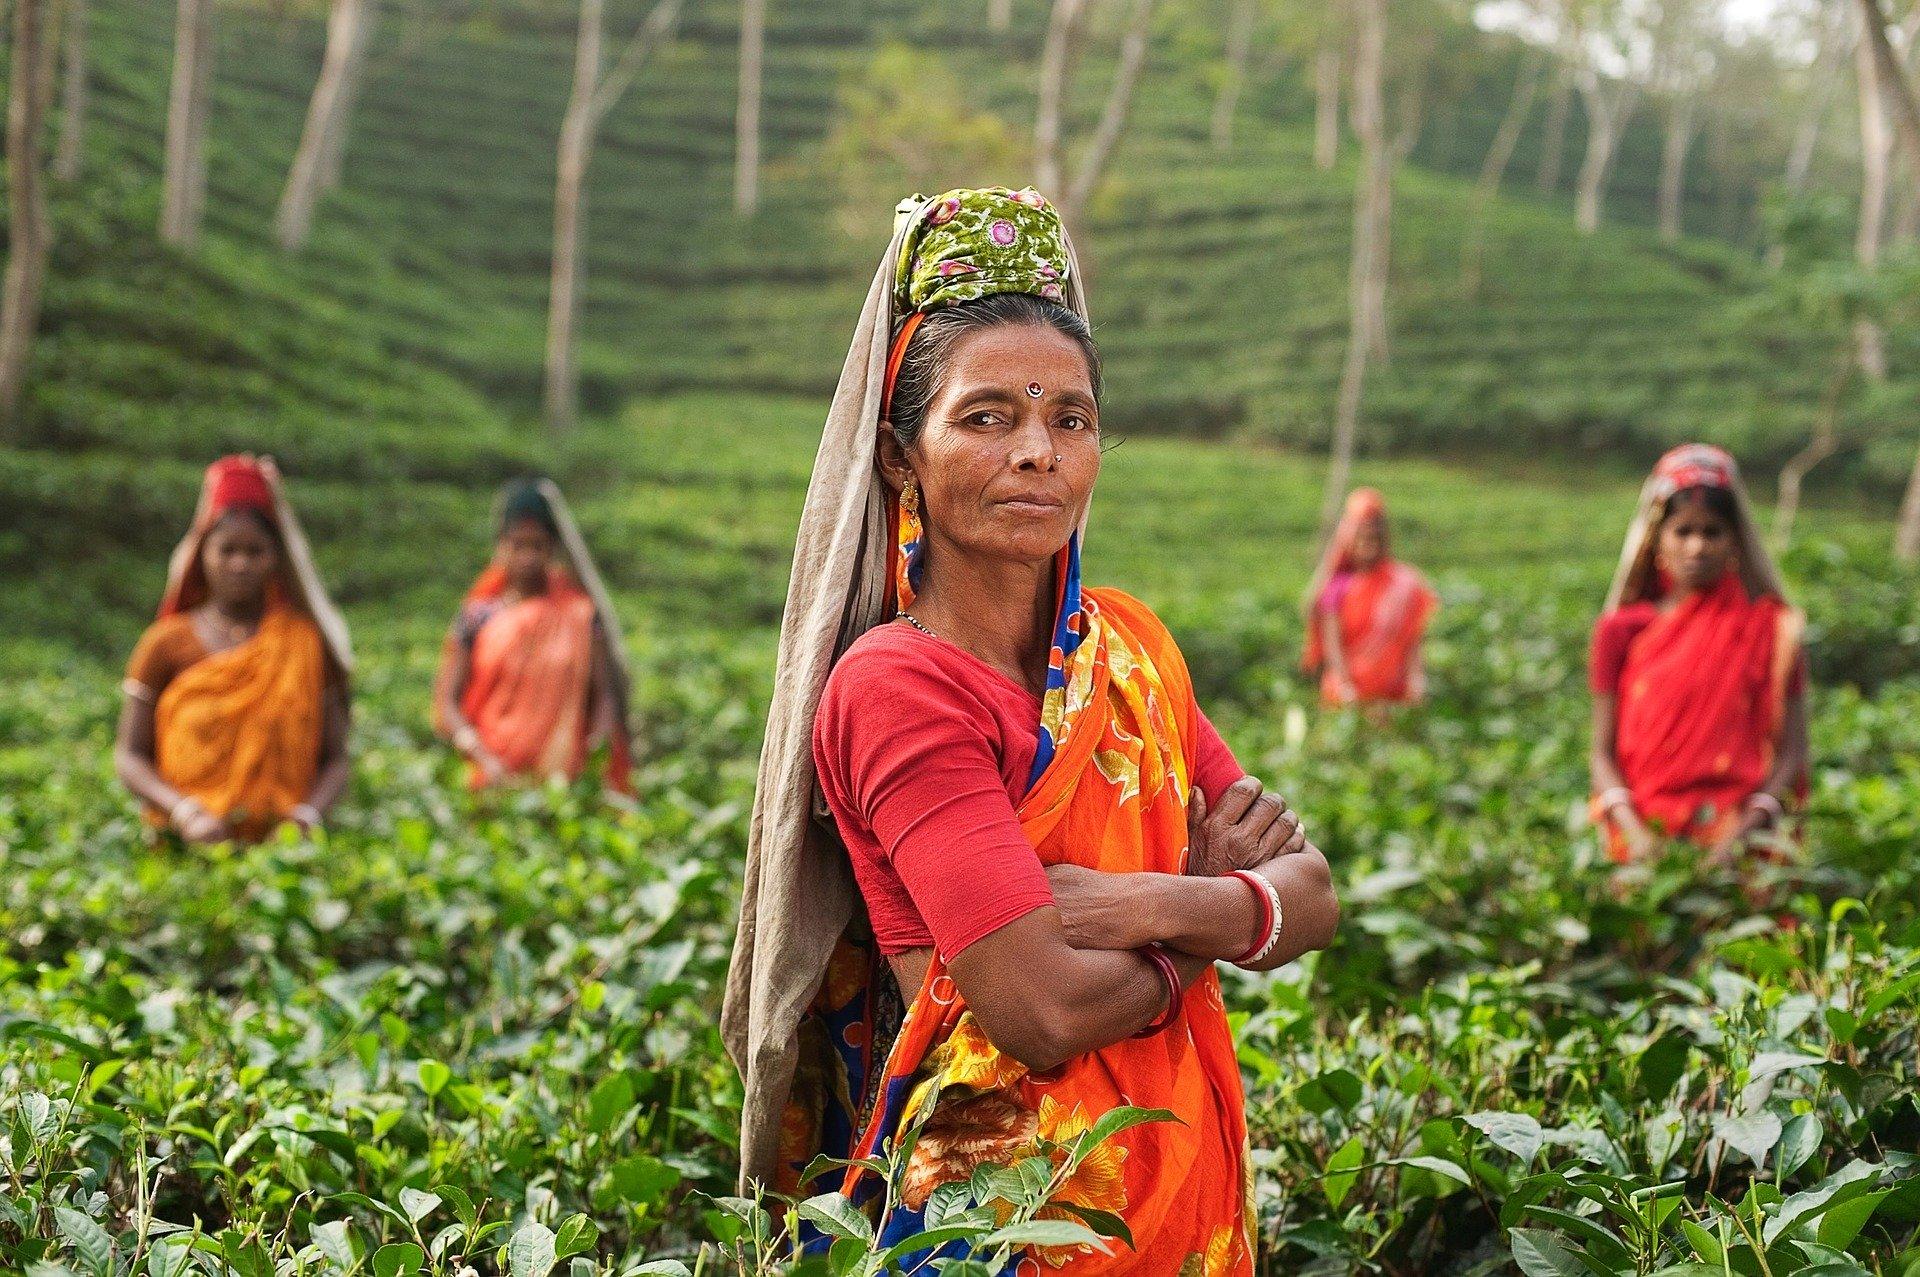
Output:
x,y
1763,801
466,740
185,800
1618,796
304,814
1273,936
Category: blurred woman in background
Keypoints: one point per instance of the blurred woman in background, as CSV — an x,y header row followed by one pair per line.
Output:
x,y
1366,613
1698,678
236,711
533,677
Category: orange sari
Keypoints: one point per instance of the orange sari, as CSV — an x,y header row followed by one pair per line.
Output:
x,y
530,678
1113,798
240,732
1382,613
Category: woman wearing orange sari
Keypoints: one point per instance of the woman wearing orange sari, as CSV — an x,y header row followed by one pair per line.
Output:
x,y
1699,682
532,677
235,718
1366,613
1038,846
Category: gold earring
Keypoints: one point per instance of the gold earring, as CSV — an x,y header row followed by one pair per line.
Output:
x,y
910,497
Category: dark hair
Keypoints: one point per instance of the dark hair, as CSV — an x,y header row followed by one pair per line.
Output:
x,y
525,500
1717,502
254,515
925,363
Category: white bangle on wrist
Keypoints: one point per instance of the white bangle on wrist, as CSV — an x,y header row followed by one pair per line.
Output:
x,y
1766,802
185,800
304,814
1617,796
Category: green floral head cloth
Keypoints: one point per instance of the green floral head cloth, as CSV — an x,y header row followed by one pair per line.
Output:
x,y
970,244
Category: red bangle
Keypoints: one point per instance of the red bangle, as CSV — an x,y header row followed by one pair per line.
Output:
x,y
1158,956
1266,915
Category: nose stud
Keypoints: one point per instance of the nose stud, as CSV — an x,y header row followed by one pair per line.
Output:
x,y
1034,390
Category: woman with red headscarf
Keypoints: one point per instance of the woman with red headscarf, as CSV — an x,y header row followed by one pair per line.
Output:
x,y
1366,613
532,676
1700,716
236,712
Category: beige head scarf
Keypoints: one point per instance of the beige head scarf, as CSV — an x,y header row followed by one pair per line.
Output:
x,y
799,895
1691,465
185,590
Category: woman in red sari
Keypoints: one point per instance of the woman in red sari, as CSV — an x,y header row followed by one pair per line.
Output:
x,y
1038,847
1366,613
1699,682
236,711
532,677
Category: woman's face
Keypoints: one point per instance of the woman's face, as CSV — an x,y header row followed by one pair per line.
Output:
x,y
1369,541
526,552
1696,545
238,558
1008,456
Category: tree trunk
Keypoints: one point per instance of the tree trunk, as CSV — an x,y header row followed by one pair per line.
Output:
x,y
1000,15
333,159
1553,146
1876,160
1906,531
562,389
1493,169
70,149
1607,112
1056,64
1113,116
29,234
183,189
1825,440
327,114
1326,107
746,145
1893,83
1373,190
1673,166
1234,77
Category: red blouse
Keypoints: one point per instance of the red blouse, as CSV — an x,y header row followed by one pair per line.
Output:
x,y
923,750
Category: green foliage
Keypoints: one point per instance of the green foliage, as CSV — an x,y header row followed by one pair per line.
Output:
x,y
461,1031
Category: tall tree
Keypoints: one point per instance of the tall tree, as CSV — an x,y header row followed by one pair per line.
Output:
x,y
1609,100
593,95
1056,67
1099,150
70,149
746,116
316,163
1553,142
1233,76
1899,97
183,183
1493,170
1876,174
1682,38
1372,207
1071,191
29,234
1326,104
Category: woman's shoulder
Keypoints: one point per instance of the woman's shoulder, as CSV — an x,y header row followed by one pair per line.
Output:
x,y
1626,620
894,658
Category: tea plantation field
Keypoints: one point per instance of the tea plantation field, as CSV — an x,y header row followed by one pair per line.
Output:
x,y
479,1035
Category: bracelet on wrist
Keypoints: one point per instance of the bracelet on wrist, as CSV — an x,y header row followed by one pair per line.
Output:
x,y
304,814
1158,956
185,801
1270,917
1765,802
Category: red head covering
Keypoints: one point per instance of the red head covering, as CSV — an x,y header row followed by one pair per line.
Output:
x,y
236,483
1694,465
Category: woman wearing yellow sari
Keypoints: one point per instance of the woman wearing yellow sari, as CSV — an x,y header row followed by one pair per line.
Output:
x,y
236,710
1036,837
532,676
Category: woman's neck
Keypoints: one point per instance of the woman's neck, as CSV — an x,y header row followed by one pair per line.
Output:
x,y
239,611
998,610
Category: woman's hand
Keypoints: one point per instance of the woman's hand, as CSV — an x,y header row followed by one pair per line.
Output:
x,y
1642,845
197,824
1248,828
1103,910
